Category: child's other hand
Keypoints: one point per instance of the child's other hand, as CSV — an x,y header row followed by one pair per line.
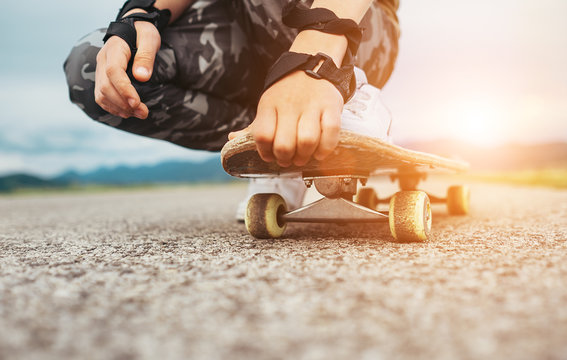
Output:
x,y
113,89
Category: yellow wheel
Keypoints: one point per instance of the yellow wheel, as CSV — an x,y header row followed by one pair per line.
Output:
x,y
458,198
367,197
410,216
263,216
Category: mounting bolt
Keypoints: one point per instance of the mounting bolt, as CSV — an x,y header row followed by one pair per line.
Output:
x,y
363,181
308,182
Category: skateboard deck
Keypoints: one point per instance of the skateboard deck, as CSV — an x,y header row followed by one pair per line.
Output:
x,y
354,155
355,159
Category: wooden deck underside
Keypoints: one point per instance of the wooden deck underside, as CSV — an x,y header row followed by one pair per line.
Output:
x,y
355,155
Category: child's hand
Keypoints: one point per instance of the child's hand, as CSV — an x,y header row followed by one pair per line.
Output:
x,y
113,89
298,117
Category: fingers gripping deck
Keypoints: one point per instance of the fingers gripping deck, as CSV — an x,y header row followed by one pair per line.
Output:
x,y
354,155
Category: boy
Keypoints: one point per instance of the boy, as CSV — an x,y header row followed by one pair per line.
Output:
x,y
195,72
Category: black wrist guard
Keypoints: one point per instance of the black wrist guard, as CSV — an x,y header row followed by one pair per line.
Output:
x,y
124,27
342,78
300,17
148,6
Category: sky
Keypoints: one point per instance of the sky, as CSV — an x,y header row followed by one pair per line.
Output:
x,y
486,71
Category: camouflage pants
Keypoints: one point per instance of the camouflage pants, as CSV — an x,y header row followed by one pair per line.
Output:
x,y
210,69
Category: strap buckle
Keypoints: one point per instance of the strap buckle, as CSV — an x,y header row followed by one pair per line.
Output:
x,y
318,58
313,74
342,78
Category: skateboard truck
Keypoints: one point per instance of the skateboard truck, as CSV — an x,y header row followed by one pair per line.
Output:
x,y
338,211
336,185
408,177
337,205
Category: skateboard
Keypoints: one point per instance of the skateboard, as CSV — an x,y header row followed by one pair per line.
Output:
x,y
355,159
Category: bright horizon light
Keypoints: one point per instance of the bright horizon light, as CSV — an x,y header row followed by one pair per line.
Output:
x,y
475,122
480,126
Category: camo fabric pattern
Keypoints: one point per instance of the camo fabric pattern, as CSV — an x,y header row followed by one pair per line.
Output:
x,y
209,72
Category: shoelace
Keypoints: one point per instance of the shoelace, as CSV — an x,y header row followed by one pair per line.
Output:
x,y
356,105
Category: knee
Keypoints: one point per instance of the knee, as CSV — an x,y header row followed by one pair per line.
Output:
x,y
79,69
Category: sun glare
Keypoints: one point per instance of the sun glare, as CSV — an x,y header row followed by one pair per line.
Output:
x,y
478,124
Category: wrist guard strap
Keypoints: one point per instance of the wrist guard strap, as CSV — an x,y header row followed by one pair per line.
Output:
x,y
302,18
124,28
342,78
147,5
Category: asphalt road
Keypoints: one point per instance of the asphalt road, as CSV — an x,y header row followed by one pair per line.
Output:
x,y
167,273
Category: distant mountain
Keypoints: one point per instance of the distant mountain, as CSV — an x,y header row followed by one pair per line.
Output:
x,y
170,172
166,172
23,181
501,158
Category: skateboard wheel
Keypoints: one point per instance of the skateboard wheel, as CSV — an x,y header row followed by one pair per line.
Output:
x,y
410,216
458,199
367,197
263,216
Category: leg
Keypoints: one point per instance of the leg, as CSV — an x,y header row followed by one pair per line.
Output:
x,y
379,47
193,98
270,37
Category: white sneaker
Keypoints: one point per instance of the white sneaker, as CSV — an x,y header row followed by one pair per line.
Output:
x,y
365,113
292,189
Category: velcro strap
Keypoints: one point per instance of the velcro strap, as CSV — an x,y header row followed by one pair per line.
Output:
x,y
161,18
154,17
342,78
286,64
300,17
147,5
125,30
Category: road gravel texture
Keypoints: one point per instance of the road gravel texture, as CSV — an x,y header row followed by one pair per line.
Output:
x,y
168,274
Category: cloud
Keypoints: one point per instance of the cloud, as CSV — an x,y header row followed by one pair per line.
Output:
x,y
50,164
43,133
